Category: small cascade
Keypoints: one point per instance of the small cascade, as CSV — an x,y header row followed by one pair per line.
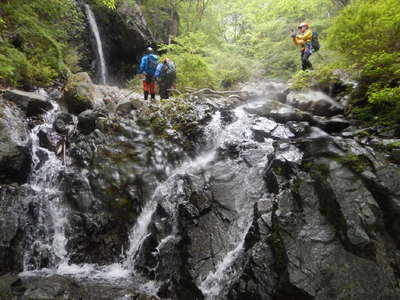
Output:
x,y
218,135
47,239
214,283
99,46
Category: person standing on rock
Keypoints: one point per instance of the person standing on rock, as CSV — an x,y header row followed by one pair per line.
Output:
x,y
303,40
147,68
166,75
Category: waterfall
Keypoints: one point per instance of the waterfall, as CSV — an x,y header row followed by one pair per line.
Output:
x,y
95,30
47,240
215,282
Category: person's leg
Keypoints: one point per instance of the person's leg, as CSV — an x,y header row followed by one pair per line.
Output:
x,y
145,89
163,90
152,87
306,59
303,63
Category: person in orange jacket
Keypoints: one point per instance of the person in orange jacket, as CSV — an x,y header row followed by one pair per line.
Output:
x,y
303,40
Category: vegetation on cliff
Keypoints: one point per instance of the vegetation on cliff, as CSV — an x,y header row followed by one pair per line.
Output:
x,y
40,40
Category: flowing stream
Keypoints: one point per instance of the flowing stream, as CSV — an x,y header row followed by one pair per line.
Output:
x,y
48,241
99,46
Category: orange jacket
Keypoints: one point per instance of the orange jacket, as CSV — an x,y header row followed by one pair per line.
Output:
x,y
302,39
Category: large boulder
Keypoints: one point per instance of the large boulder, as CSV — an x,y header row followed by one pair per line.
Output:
x,y
79,93
314,102
15,145
31,104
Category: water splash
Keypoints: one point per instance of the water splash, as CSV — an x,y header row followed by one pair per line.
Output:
x,y
48,241
99,45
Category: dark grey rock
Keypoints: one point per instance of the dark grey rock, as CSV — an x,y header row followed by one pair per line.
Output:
x,y
13,287
31,104
128,105
315,102
15,145
87,120
331,125
63,123
395,155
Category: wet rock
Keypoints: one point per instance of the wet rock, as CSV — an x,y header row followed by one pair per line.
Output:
x,y
298,128
310,257
331,125
127,105
280,112
15,145
12,227
87,120
318,143
315,102
395,155
63,123
31,104
57,287
262,128
79,93
44,140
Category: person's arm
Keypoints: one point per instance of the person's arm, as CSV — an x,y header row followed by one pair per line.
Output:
x,y
143,64
305,37
293,36
158,70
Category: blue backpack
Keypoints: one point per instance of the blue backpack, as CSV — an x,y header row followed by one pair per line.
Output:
x,y
152,61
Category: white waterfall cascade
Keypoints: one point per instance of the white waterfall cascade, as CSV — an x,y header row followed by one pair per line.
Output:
x,y
49,242
212,286
95,31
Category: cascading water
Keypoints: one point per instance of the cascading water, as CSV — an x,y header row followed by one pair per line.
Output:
x,y
47,240
217,136
99,46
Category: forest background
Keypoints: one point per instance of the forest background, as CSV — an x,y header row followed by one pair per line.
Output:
x,y
224,42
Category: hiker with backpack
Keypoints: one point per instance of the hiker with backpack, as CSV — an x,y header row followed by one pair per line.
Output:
x,y
147,67
166,75
308,43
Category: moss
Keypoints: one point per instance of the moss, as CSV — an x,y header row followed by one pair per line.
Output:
x,y
279,252
316,169
357,163
395,145
175,115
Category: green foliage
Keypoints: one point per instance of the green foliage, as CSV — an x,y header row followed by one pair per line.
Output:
x,y
321,78
377,99
107,3
189,54
366,27
225,42
366,34
395,145
34,41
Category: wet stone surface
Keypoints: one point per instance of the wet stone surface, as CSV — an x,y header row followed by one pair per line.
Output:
x,y
205,198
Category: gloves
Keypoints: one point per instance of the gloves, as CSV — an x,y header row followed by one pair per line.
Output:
x,y
293,34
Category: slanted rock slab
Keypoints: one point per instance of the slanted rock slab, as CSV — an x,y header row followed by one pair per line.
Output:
x,y
31,104
315,102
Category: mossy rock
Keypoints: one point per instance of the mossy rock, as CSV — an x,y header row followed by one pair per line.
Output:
x,y
79,93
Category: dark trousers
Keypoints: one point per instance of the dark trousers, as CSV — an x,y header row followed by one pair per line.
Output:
x,y
305,56
164,86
